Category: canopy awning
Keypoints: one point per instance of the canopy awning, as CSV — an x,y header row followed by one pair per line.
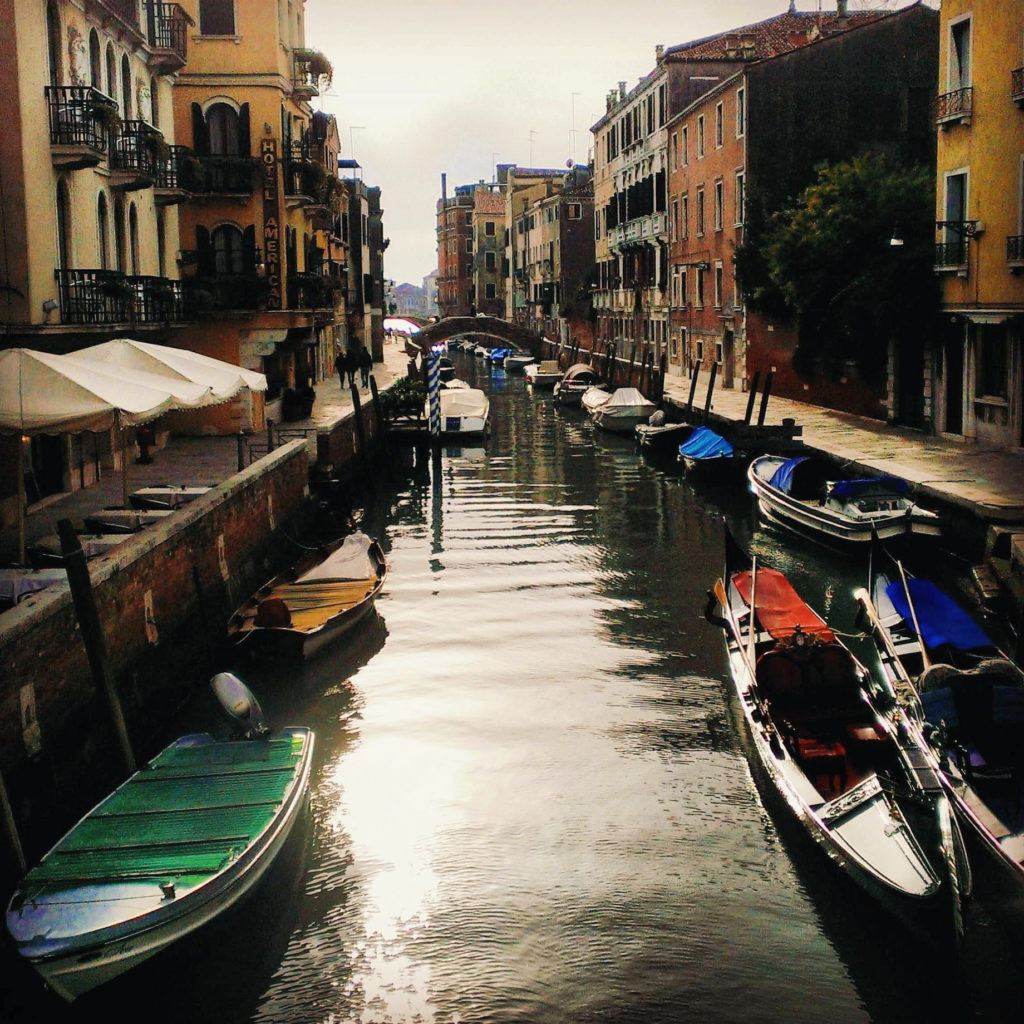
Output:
x,y
780,609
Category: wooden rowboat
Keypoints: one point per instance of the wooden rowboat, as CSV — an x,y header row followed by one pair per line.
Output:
x,y
321,597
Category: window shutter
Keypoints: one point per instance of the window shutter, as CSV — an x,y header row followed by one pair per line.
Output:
x,y
249,250
204,260
200,136
244,135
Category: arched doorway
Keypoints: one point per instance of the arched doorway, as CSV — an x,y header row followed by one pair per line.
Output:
x,y
226,241
53,43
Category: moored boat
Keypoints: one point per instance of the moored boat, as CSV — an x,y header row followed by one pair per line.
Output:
x,y
498,356
447,369
659,437
808,495
839,764
183,840
465,412
621,412
578,379
324,595
545,374
516,361
705,451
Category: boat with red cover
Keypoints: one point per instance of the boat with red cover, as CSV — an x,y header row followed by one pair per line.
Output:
x,y
841,763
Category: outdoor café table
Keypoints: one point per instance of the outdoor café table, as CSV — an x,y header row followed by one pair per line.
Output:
x,y
91,545
16,584
165,495
134,519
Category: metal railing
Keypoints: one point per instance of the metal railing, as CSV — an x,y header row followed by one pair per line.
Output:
x,y
75,113
94,297
136,149
311,291
169,169
1015,249
158,300
952,106
167,28
951,253
304,81
224,175
1017,85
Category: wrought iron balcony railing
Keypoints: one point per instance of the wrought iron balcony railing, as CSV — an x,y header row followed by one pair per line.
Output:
x,y
158,300
170,168
312,291
79,116
222,175
167,31
1015,250
305,80
136,151
208,289
954,106
1017,86
93,297
951,254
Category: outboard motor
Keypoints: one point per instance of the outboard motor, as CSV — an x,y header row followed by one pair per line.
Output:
x,y
240,706
657,418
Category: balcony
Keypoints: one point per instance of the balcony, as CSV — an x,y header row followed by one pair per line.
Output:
x,y
219,175
167,28
134,156
1017,86
951,257
209,290
169,187
80,120
954,107
312,291
1015,253
99,298
308,68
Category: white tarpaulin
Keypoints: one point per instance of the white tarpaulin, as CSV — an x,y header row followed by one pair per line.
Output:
x,y
224,380
595,398
351,561
467,403
42,393
627,398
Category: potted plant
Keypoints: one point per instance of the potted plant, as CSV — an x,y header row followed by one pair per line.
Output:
x,y
321,68
106,114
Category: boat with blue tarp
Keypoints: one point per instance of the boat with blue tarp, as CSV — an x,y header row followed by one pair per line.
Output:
x,y
810,496
704,449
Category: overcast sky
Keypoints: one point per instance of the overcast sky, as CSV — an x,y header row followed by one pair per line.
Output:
x,y
442,85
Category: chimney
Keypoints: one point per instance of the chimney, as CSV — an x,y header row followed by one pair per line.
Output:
x,y
659,52
444,187
622,90
841,8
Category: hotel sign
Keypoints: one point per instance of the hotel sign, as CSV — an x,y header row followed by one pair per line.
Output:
x,y
271,224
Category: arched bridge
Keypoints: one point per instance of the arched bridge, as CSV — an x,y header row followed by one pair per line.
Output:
x,y
490,326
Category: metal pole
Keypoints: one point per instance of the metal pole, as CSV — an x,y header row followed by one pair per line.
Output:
x,y
92,634
434,394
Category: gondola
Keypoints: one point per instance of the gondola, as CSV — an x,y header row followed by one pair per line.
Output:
x,y
967,698
324,595
809,496
842,767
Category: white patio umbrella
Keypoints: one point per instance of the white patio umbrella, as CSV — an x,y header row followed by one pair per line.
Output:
x,y
41,393
225,380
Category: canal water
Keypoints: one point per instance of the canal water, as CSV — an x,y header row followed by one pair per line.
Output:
x,y
531,801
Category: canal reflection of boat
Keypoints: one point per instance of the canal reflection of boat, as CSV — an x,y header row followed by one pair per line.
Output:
x,y
578,379
545,374
180,842
619,412
704,451
321,597
809,496
516,360
465,412
967,698
860,789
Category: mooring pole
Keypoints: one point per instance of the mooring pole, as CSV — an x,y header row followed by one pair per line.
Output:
x,y
763,411
694,374
378,417
752,397
240,440
270,436
92,634
11,828
361,433
434,394
711,391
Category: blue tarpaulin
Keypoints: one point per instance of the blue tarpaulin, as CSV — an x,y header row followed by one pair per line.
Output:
x,y
846,489
704,443
782,478
942,621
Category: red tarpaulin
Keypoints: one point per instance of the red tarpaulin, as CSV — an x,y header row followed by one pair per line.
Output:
x,y
779,607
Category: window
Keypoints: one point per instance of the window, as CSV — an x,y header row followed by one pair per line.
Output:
x,y
719,284
700,137
699,348
992,354
103,231
674,151
741,113
53,42
154,104
490,261
960,54
469,218
95,61
575,211
741,196
699,274
469,245
719,203
684,215
684,145
119,254
223,129
650,115
489,228
226,242
133,239
126,88
111,72
719,129
161,244
700,212
675,219
662,103
489,291
682,289
217,17
63,225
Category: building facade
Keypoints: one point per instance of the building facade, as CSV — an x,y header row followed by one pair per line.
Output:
x,y
455,292
488,249
978,377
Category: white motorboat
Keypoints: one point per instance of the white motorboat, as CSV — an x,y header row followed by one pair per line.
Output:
x,y
517,361
593,398
545,374
807,495
464,412
578,379
621,411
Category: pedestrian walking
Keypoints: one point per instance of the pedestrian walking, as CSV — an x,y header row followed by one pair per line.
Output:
x,y
351,365
340,367
365,365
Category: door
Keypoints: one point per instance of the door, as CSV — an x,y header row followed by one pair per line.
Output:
x,y
728,358
910,384
953,376
45,470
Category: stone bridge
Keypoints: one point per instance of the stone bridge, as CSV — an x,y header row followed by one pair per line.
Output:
x,y
489,326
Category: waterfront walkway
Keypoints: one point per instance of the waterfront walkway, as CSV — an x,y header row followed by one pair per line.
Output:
x,y
988,482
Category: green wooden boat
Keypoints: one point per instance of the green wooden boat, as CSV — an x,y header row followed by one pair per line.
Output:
x,y
182,840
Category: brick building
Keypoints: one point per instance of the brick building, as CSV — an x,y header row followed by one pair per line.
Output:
x,y
488,249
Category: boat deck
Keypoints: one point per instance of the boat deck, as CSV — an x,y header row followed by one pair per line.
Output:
x,y
313,604
187,813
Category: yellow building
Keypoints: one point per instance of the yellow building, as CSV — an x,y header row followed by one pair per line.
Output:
x,y
978,389
88,163
263,190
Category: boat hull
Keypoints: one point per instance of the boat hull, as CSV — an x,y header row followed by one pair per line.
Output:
x,y
620,422
85,968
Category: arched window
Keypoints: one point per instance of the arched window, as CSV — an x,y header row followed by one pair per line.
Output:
x,y
222,126
161,244
63,225
103,230
133,239
111,72
95,61
126,88
154,104
226,241
119,254
53,44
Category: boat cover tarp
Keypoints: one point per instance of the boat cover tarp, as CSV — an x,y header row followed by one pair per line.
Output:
x,y
627,398
844,490
782,478
351,561
780,609
704,443
465,402
581,372
942,621
593,398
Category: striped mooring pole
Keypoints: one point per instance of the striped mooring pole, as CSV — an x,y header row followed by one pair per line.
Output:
x,y
434,394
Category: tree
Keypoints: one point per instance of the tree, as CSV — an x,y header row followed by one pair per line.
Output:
x,y
827,259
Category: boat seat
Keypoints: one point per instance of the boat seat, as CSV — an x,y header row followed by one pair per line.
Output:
x,y
780,680
273,612
865,733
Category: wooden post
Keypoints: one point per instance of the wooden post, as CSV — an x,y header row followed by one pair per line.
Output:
x,y
378,417
125,461
11,828
270,436
754,385
711,391
763,411
22,501
92,634
662,373
694,374
241,451
361,431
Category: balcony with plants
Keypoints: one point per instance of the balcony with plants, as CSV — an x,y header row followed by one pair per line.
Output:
x,y
210,288
82,121
169,183
220,175
135,154
105,298
311,71
167,28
